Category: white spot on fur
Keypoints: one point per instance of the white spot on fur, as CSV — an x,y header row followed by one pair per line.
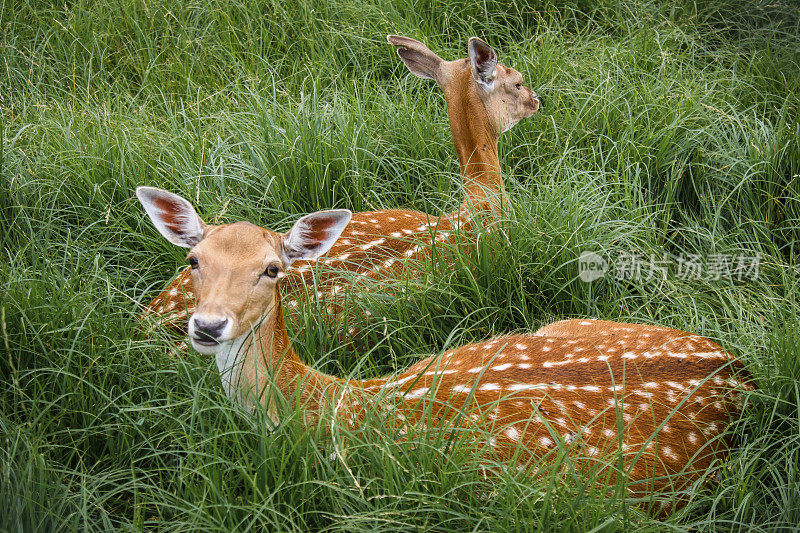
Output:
x,y
666,450
411,251
418,393
373,244
439,372
526,386
399,382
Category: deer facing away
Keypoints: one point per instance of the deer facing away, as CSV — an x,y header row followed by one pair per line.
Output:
x,y
659,397
484,99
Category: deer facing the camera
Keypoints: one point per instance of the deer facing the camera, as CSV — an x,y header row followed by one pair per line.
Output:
x,y
659,397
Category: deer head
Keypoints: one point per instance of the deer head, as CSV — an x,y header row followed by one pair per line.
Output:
x,y
236,268
490,91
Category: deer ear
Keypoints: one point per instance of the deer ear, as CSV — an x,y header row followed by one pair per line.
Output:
x,y
483,63
417,57
173,216
314,234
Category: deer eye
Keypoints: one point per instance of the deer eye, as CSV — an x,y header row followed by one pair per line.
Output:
x,y
193,262
518,86
271,271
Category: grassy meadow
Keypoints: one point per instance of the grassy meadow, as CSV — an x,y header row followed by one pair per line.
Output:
x,y
666,128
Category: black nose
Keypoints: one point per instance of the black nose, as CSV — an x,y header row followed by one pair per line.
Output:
x,y
209,328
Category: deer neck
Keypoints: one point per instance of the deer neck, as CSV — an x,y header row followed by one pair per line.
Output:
x,y
266,362
476,145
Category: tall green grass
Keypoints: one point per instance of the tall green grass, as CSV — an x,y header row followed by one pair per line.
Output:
x,y
666,128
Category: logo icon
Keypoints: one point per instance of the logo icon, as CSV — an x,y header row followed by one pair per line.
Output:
x,y
591,266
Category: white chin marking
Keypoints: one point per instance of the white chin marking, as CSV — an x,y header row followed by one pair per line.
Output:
x,y
510,125
207,350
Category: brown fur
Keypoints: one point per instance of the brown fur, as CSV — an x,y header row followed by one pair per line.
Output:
x,y
660,398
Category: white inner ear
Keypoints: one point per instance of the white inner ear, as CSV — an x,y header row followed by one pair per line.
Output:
x,y
487,86
485,80
479,70
172,215
314,234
